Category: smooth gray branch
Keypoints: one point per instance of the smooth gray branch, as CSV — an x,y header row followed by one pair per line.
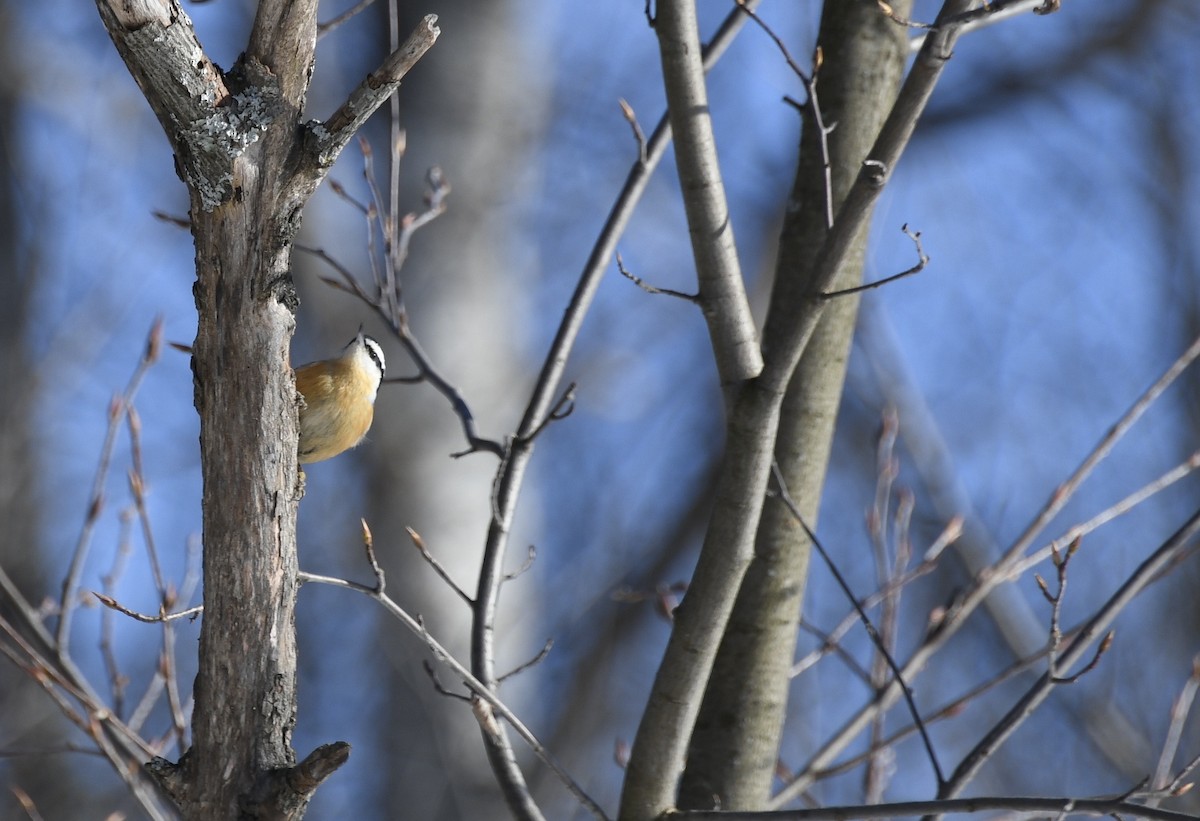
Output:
x,y
723,299
660,746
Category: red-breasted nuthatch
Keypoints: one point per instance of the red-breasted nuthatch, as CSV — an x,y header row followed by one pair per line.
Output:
x,y
339,399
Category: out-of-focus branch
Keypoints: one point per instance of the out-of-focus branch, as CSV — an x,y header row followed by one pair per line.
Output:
x,y
1159,561
32,647
722,292
1162,778
119,407
989,14
990,580
1060,807
480,692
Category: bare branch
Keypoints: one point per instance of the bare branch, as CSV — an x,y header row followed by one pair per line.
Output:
x,y
440,688
117,680
563,408
108,601
1089,806
723,299
988,578
481,691
389,304
1179,713
785,497
809,80
353,11
513,468
1091,632
651,289
1103,648
329,138
533,662
369,549
638,135
117,410
530,556
437,566
33,649
1185,468
922,261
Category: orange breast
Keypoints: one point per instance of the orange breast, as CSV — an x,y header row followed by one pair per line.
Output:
x,y
336,413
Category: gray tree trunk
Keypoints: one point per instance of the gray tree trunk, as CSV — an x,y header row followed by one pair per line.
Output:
x,y
250,162
735,747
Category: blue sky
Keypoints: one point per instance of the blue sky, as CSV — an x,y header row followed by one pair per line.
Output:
x,y
1062,281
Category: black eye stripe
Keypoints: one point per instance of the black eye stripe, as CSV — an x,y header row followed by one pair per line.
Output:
x,y
373,353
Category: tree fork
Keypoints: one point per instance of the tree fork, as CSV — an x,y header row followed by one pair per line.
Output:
x,y
250,163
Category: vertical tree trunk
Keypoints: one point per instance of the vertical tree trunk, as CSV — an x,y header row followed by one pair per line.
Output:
x,y
250,164
734,750
245,687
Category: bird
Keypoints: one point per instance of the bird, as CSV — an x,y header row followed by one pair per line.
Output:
x,y
339,399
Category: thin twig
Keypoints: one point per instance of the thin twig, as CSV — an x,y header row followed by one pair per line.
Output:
x,y
886,469
1023,804
330,25
1178,786
638,135
440,688
117,410
137,487
831,645
922,261
1145,574
563,408
1185,468
530,557
472,683
108,601
533,662
437,188
948,535
169,673
388,302
1101,649
437,566
1180,709
369,549
950,709
377,214
785,497
117,680
812,102
347,197
651,289
167,601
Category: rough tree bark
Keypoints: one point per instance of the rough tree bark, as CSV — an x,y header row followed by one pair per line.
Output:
x,y
735,747
250,163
